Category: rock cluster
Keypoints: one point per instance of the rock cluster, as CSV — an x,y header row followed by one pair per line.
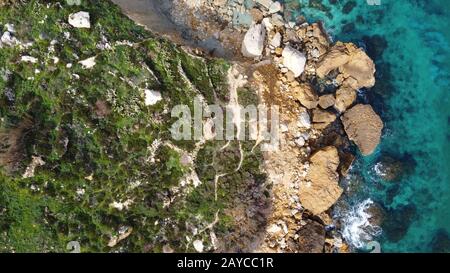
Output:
x,y
315,82
304,55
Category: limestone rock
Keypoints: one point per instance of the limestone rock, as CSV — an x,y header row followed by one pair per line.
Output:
x,y
253,43
257,15
80,20
306,95
322,118
265,3
275,7
335,58
294,60
363,126
326,101
356,68
276,40
322,189
344,98
304,120
198,246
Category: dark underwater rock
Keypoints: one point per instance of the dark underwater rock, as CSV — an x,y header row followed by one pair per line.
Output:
x,y
398,221
441,242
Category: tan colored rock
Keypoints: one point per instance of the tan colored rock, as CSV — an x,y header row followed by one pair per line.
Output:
x,y
257,15
306,95
345,97
322,189
360,70
357,69
326,101
363,126
335,58
322,118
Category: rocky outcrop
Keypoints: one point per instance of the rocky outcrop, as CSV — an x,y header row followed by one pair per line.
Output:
x,y
356,69
321,190
305,94
363,126
345,97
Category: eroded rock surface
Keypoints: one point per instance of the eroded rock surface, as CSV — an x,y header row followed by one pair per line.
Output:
x,y
363,126
321,190
356,69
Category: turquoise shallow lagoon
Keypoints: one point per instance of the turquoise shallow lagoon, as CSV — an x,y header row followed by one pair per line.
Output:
x,y
410,43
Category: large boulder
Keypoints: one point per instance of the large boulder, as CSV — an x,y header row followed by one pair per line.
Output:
x,y
363,126
253,43
356,69
321,189
294,60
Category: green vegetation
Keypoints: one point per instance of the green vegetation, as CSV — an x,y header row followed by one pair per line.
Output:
x,y
96,135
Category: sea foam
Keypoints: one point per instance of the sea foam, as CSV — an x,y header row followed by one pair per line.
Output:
x,y
357,229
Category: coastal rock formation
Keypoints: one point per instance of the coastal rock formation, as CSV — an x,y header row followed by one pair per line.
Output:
x,y
305,94
363,126
356,69
345,97
322,189
253,43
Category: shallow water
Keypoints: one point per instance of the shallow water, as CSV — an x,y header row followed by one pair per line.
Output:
x,y
410,43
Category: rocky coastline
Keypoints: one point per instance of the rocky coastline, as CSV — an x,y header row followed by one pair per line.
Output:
x,y
294,64
277,59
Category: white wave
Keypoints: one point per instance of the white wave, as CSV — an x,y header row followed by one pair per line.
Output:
x,y
357,230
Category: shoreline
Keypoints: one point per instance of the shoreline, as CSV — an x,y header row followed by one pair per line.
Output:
x,y
283,215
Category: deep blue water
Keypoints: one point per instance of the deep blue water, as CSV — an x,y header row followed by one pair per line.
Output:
x,y
410,43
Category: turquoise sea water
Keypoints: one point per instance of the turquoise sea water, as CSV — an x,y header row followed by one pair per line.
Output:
x,y
410,43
